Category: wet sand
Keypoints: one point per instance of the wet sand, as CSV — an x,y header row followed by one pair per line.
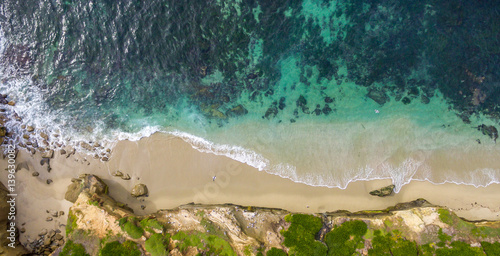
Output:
x,y
176,174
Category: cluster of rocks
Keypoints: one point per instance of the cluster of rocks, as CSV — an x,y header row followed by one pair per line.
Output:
x,y
489,130
54,214
46,242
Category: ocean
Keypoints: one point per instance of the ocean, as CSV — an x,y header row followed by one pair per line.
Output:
x,y
320,92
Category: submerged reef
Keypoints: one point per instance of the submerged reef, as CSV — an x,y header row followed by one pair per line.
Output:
x,y
164,57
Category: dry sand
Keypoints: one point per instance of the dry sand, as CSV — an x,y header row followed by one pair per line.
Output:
x,y
176,174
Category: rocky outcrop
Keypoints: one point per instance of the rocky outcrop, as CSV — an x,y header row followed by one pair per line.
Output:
x,y
378,96
86,182
385,191
96,219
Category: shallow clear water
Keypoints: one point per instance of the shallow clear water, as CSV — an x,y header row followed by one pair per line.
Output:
x,y
321,92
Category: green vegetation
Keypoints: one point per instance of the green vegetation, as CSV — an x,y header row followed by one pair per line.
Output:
x,y
212,228
129,226
390,244
343,240
71,223
459,248
73,249
491,249
93,202
149,224
466,228
128,248
445,216
212,244
300,236
276,252
157,245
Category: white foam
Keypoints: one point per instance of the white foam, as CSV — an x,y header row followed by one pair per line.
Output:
x,y
234,152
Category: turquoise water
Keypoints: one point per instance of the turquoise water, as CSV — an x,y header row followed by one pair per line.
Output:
x,y
320,92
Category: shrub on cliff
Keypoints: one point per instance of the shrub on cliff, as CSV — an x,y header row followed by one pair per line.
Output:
x,y
276,252
73,249
300,236
128,248
157,245
128,225
343,240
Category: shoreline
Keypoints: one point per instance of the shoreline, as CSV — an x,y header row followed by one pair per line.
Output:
x,y
176,174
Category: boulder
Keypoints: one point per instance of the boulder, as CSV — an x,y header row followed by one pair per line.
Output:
x,y
385,191
489,130
86,146
3,131
237,111
378,96
48,154
44,136
139,190
88,182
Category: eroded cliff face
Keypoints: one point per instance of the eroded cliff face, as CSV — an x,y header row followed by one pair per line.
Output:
x,y
97,224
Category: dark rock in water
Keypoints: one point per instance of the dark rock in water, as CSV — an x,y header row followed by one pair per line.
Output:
x,y
139,190
305,109
406,100
489,130
317,111
292,120
271,112
328,100
378,96
269,92
86,182
425,99
413,92
252,75
301,102
282,104
3,131
237,111
326,109
385,191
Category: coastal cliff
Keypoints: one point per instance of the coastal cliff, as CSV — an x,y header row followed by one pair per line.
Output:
x,y
98,225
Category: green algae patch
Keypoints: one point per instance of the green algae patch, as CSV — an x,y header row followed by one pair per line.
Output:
x,y
127,248
150,224
276,252
157,245
390,244
491,249
300,236
73,249
211,244
71,223
345,239
129,226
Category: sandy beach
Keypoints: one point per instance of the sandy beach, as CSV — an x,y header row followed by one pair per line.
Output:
x,y
177,174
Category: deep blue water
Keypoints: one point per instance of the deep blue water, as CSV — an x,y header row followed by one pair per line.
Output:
x,y
321,92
